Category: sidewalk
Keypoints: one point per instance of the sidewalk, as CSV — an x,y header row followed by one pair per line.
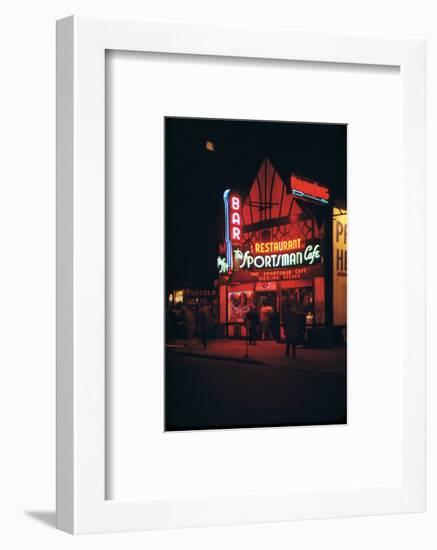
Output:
x,y
268,353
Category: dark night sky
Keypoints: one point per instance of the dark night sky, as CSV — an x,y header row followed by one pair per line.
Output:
x,y
196,178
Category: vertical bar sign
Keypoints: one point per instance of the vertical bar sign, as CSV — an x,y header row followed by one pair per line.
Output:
x,y
232,223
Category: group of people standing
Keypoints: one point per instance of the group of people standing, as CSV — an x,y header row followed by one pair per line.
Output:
x,y
188,325
265,323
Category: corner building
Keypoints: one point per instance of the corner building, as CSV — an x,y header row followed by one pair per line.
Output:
x,y
288,245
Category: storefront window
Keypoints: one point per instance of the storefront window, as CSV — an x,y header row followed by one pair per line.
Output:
x,y
239,305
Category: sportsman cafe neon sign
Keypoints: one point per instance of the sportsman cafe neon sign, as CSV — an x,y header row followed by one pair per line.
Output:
x,y
309,255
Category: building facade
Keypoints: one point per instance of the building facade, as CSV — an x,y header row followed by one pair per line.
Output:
x,y
285,244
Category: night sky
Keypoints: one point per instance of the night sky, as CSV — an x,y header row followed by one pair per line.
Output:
x,y
195,179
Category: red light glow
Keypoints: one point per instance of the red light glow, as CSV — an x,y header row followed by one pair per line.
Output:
x,y
309,189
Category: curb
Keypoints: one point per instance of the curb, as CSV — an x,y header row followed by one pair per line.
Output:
x,y
249,361
217,357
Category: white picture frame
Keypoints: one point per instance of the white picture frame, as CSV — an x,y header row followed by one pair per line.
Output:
x,y
81,479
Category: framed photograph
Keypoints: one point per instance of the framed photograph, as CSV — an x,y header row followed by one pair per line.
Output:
x,y
240,275
271,290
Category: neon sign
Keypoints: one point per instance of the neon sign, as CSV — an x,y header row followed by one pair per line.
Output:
x,y
309,190
232,226
290,274
235,218
309,256
277,246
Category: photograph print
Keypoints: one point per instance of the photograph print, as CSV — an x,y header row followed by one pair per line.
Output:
x,y
255,274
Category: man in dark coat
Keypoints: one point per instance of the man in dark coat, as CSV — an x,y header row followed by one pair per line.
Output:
x,y
291,331
252,322
204,325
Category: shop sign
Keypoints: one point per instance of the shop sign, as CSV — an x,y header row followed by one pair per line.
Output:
x,y
339,262
309,190
289,274
277,246
195,293
309,255
233,226
266,286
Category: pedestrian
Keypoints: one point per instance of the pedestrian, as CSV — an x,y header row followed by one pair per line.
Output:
x,y
252,323
275,325
204,325
264,315
291,332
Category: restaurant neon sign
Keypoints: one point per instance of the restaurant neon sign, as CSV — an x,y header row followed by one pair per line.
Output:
x,y
277,246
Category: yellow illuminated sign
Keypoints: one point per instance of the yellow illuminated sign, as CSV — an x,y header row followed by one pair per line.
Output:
x,y
277,246
339,262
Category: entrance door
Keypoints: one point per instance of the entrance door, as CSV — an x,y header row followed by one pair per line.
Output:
x,y
265,299
266,305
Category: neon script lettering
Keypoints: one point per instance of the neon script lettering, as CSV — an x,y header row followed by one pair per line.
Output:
x,y
309,256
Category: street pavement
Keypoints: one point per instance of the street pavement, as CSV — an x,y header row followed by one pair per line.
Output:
x,y
267,353
205,392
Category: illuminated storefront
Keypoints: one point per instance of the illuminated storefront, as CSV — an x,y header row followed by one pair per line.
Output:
x,y
192,297
283,244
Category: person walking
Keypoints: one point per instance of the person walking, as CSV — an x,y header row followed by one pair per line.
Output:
x,y
264,315
291,332
252,322
204,325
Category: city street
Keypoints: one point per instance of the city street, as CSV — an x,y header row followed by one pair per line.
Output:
x,y
267,352
204,393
